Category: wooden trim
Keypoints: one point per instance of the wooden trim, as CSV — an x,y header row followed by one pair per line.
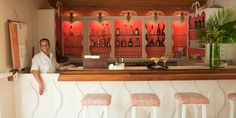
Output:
x,y
148,75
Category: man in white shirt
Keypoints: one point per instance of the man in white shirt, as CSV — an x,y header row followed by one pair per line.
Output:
x,y
44,62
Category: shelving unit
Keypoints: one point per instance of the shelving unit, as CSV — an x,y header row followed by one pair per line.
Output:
x,y
196,49
115,37
128,39
72,33
100,37
155,37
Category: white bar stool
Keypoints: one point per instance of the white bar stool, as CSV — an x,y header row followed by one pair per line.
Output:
x,y
89,100
232,99
144,100
187,98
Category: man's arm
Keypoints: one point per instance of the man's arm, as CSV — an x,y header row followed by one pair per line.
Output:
x,y
40,81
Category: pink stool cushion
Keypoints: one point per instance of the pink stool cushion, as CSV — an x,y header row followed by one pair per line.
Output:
x,y
191,98
96,99
232,96
145,99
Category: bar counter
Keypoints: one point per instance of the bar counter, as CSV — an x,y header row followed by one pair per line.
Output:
x,y
144,74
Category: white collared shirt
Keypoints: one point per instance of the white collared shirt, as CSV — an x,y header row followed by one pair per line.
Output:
x,y
42,63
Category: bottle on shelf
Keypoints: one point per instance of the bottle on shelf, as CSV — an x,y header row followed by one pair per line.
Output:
x,y
125,30
98,42
123,43
203,22
102,30
117,43
158,42
103,41
71,31
158,30
136,31
108,42
152,31
130,43
137,43
162,31
146,37
162,42
107,31
117,31
151,43
196,24
131,30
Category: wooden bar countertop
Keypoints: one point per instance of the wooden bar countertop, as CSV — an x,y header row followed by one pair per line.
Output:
x,y
144,74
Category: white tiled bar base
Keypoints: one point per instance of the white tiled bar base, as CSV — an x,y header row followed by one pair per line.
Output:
x,y
63,99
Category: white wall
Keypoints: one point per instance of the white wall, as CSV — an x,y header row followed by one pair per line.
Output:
x,y
7,99
224,3
27,12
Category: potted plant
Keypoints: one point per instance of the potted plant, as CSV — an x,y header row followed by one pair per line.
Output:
x,y
220,28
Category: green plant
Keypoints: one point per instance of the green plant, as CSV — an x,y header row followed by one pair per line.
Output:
x,y
220,28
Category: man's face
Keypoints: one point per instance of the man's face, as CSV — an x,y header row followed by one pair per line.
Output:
x,y
45,47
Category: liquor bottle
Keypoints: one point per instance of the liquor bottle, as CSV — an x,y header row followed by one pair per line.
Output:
x,y
108,40
162,31
102,30
196,23
125,30
203,22
98,42
136,31
137,43
117,31
158,30
107,31
151,43
117,43
158,42
92,44
199,24
123,43
103,41
131,30
162,42
152,31
146,37
71,31
130,43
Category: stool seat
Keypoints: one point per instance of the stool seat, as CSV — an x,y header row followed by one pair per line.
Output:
x,y
191,98
145,99
232,96
96,99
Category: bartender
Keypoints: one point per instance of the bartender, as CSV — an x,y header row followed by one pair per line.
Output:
x,y
44,62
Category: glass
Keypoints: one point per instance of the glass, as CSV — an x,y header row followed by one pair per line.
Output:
x,y
155,60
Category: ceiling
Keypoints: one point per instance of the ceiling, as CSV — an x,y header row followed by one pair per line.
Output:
x,y
114,7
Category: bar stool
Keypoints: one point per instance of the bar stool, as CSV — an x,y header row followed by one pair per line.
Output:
x,y
187,98
103,100
232,99
144,100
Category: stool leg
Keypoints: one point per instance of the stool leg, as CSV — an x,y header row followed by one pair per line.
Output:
x,y
85,111
184,107
177,110
106,112
154,113
195,111
133,112
231,115
204,108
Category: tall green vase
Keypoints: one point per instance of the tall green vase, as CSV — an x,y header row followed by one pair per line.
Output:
x,y
214,61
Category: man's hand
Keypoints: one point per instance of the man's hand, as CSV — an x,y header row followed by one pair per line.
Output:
x,y
41,89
